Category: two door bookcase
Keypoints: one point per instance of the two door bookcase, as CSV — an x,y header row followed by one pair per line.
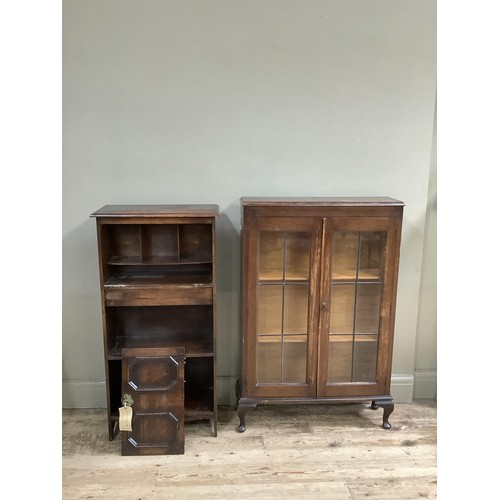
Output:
x,y
319,293
157,278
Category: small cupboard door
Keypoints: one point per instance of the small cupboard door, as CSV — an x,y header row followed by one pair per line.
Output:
x,y
281,285
154,377
355,317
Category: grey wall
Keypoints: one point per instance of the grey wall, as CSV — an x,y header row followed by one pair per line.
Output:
x,y
426,346
204,102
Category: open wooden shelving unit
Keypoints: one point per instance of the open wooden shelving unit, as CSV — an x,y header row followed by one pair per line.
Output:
x,y
157,275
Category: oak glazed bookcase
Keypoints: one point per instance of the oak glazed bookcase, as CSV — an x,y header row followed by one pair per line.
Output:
x,y
157,277
319,292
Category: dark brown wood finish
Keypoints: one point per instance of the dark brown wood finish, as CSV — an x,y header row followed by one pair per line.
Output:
x,y
381,385
169,211
308,386
367,371
317,201
157,275
154,378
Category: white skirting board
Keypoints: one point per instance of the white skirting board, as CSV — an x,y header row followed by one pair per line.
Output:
x,y
92,394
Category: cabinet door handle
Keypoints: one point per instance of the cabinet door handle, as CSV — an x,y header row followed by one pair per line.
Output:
x,y
324,306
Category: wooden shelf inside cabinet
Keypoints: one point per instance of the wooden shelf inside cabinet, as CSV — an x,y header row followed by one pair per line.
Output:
x,y
194,349
158,290
118,260
198,402
352,281
288,281
362,275
160,280
270,276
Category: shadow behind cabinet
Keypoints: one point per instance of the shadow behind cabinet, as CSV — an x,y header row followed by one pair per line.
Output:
x,y
319,292
157,275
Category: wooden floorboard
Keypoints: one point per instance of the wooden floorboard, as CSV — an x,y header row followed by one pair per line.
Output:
x,y
331,452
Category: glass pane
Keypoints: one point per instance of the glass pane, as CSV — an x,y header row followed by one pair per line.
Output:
x,y
269,359
296,307
368,308
298,253
345,255
342,309
294,358
340,358
370,255
269,308
365,358
271,256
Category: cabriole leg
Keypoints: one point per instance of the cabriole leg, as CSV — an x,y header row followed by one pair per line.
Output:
x,y
388,407
243,409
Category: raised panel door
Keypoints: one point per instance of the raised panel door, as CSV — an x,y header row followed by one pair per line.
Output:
x,y
154,377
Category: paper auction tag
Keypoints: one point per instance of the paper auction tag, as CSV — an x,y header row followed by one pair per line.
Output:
x,y
125,418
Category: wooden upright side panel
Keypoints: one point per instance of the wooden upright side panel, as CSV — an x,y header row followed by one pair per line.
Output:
x,y
154,377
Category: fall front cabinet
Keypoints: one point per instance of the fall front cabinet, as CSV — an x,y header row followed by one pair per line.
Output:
x,y
158,296
319,292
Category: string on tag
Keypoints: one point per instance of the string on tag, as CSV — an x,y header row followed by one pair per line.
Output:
x,y
126,413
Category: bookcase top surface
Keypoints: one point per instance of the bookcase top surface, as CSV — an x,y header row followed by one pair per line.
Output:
x,y
361,201
157,211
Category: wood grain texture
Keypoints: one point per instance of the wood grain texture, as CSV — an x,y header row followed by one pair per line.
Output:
x,y
159,258
289,451
155,379
267,301
157,211
157,294
322,201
